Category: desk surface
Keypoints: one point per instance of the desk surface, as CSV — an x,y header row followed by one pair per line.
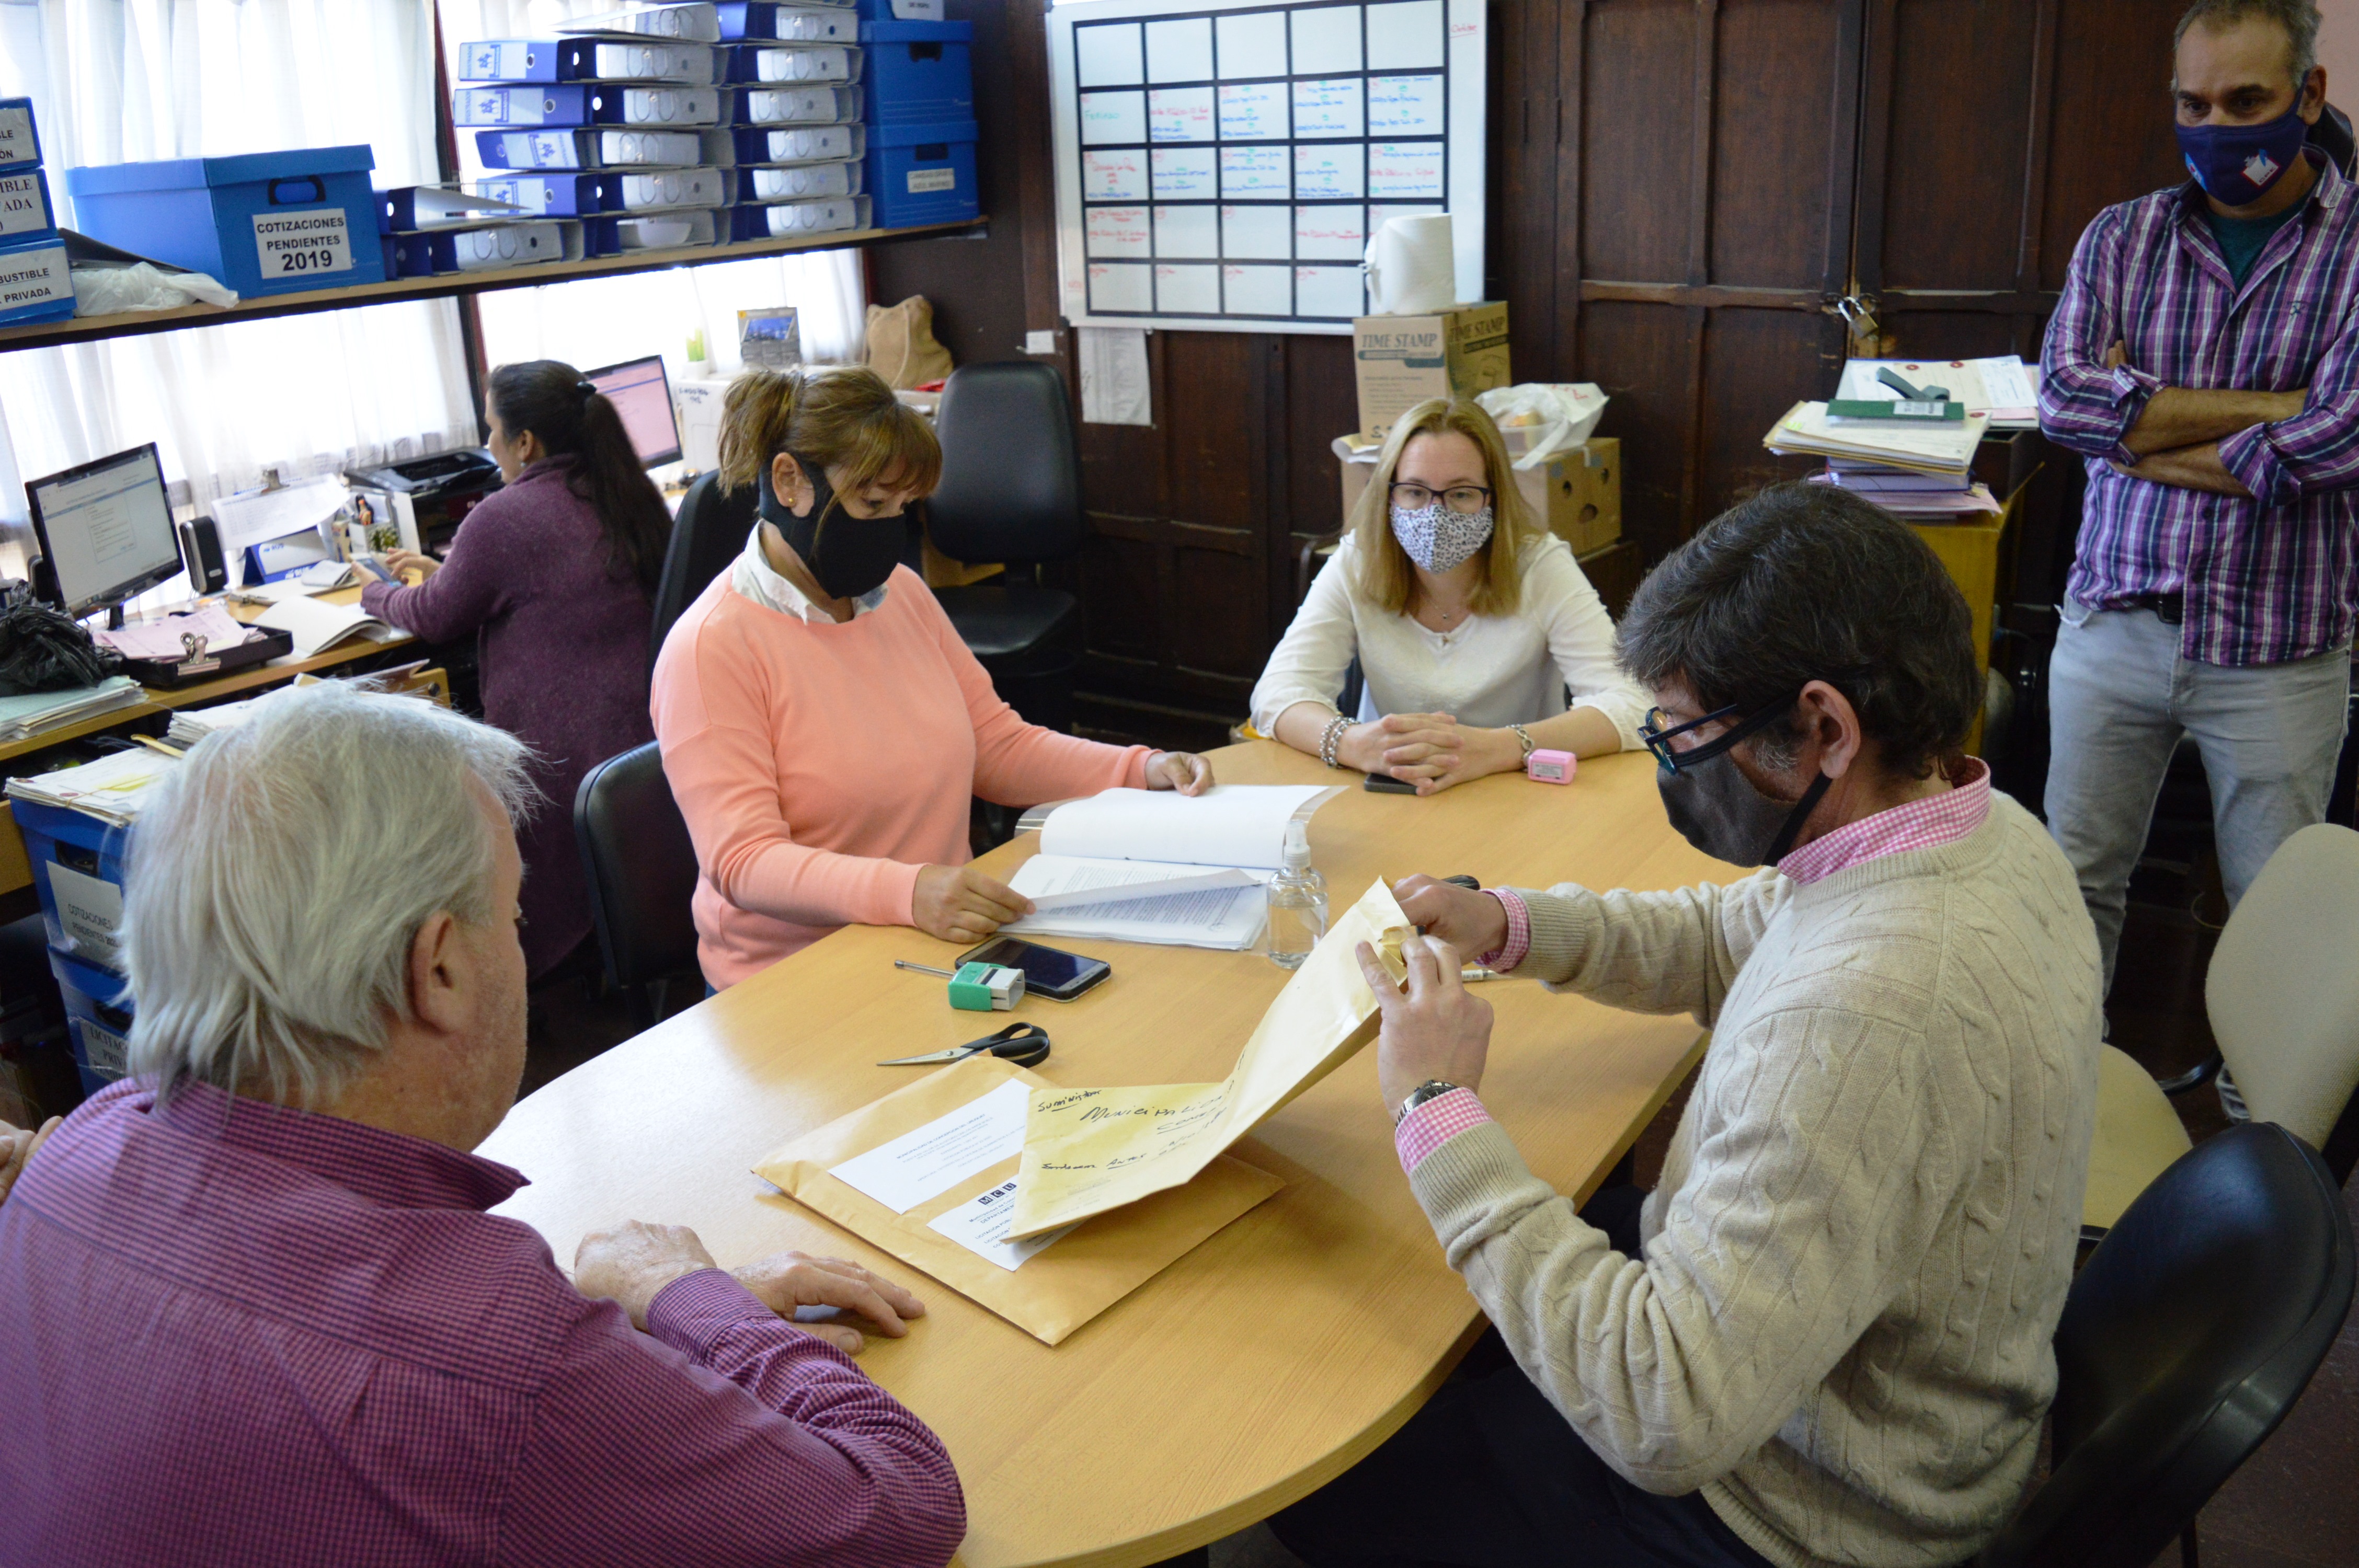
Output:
x,y
1269,1359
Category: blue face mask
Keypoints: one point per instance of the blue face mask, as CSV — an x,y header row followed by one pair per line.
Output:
x,y
2235,165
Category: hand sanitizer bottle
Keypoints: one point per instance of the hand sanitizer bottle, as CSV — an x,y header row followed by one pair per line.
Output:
x,y
1297,902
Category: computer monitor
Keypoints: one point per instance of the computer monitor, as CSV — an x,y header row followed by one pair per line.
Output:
x,y
641,393
106,532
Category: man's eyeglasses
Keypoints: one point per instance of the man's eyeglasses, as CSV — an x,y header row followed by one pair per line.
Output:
x,y
1458,497
1657,731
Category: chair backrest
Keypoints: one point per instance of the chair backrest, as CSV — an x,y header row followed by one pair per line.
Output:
x,y
2283,991
706,536
641,866
1011,487
2188,1334
2332,137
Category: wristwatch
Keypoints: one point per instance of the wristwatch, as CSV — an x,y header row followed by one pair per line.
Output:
x,y
1432,1088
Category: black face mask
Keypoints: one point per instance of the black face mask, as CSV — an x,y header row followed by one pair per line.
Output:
x,y
1716,808
851,557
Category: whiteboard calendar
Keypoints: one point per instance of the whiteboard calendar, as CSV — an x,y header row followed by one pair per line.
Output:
x,y
1221,163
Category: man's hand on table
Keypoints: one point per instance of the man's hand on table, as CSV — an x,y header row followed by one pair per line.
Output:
x,y
630,1265
1472,922
1436,1029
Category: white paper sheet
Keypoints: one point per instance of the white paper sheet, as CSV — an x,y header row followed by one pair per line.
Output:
x,y
1253,44
1181,50
1405,35
161,638
1114,388
1061,881
1108,54
1329,108
1179,115
1327,37
1228,825
981,1226
1188,232
1258,290
1188,289
275,514
1109,118
1118,176
929,1161
1122,286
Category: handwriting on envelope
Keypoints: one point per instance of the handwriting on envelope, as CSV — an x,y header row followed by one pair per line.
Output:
x,y
1087,1151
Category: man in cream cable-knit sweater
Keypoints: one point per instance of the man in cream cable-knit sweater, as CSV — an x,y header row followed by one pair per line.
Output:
x,y
1826,1338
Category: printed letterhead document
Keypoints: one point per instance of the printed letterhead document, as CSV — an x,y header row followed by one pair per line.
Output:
x,y
929,1161
1087,1151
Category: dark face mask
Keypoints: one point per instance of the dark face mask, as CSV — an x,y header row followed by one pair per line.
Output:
x,y
1716,808
2236,164
850,555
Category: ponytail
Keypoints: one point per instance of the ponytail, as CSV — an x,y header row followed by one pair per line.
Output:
x,y
575,422
841,417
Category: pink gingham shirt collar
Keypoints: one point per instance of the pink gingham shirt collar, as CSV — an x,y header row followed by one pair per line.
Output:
x,y
1924,824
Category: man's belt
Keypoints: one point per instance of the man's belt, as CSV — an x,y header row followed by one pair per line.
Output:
x,y
2171,608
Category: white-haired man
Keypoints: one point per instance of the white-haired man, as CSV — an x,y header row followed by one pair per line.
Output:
x,y
257,1311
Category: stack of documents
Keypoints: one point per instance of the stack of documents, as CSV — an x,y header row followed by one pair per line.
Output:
x,y
1938,502
2004,389
111,789
191,725
1919,449
41,710
1134,865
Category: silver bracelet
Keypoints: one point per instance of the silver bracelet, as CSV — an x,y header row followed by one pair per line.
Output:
x,y
1334,735
1523,736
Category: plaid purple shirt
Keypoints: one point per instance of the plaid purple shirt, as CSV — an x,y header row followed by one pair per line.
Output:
x,y
2269,580
240,1335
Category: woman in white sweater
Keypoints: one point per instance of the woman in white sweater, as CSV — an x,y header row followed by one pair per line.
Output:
x,y
1470,620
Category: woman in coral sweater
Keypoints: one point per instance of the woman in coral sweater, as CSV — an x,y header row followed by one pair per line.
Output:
x,y
822,724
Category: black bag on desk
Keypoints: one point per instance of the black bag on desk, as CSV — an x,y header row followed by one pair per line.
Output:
x,y
43,649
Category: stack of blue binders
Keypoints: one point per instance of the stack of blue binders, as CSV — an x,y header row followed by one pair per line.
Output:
x,y
35,283
922,126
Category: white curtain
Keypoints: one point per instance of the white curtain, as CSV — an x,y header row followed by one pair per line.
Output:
x,y
132,80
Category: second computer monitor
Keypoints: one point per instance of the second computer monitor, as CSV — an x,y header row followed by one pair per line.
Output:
x,y
105,531
641,393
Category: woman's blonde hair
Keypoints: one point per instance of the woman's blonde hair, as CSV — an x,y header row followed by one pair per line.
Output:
x,y
1385,574
842,417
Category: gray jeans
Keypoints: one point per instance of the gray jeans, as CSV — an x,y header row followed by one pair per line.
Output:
x,y
2119,697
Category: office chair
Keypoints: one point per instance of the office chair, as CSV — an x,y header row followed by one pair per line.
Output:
x,y
2189,1333
2283,998
1011,492
2332,137
641,867
705,537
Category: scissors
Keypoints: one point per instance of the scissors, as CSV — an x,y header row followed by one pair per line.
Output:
x,y
1025,1044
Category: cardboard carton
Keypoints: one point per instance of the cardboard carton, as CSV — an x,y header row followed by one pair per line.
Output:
x,y
1401,360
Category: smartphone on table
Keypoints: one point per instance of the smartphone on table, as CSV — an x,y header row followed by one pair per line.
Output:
x,y
376,568
1059,976
1385,783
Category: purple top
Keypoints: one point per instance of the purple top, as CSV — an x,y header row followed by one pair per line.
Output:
x,y
244,1334
564,659
2270,579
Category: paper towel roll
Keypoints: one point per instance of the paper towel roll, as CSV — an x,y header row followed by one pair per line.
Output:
x,y
1411,266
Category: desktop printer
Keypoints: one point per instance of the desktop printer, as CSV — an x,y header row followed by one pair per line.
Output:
x,y
428,498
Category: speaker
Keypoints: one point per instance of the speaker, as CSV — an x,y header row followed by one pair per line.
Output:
x,y
201,552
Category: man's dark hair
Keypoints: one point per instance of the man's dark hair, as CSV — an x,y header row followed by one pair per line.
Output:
x,y
1809,582
2299,19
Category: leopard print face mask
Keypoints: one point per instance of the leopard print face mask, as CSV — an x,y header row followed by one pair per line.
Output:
x,y
1438,539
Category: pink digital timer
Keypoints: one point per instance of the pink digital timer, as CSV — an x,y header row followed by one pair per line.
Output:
x,y
1551,767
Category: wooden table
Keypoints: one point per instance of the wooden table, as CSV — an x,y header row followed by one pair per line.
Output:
x,y
1269,1359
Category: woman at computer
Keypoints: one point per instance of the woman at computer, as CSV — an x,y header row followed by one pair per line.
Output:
x,y
1469,620
553,573
823,727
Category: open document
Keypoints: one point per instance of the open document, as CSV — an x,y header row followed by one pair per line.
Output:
x,y
1134,865
1087,1151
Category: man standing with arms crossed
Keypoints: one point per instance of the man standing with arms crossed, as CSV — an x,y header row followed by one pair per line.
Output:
x,y
2205,360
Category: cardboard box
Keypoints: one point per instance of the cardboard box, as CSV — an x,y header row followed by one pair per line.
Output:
x,y
1401,360
1577,494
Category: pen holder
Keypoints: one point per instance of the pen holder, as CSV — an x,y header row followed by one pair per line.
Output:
x,y
1551,767
986,988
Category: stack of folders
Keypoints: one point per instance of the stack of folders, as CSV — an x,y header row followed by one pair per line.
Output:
x,y
1920,471
37,712
1131,865
675,125
112,789
191,725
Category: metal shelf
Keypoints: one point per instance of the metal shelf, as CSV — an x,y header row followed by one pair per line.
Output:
x,y
137,323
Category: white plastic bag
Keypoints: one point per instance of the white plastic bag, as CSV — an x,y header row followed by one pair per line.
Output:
x,y
105,289
1540,419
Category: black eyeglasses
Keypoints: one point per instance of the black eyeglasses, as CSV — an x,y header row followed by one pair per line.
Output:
x,y
1658,739
1458,497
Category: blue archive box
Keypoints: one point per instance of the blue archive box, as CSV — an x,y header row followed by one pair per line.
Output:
x,y
922,173
610,148
78,873
744,21
25,214
569,105
586,60
554,195
21,139
97,1020
919,72
901,10
36,283
260,223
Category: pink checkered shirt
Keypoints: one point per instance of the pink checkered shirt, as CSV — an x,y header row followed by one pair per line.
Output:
x,y
240,1334
1919,825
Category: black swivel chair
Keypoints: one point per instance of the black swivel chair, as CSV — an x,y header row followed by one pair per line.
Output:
x,y
1011,492
641,866
705,537
2189,1333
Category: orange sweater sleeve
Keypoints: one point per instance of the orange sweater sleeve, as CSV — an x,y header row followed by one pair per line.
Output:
x,y
1017,764
711,717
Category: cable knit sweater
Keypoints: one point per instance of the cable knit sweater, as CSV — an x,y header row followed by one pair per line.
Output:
x,y
1860,1243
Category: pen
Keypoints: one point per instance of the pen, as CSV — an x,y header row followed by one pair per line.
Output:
x,y
923,968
